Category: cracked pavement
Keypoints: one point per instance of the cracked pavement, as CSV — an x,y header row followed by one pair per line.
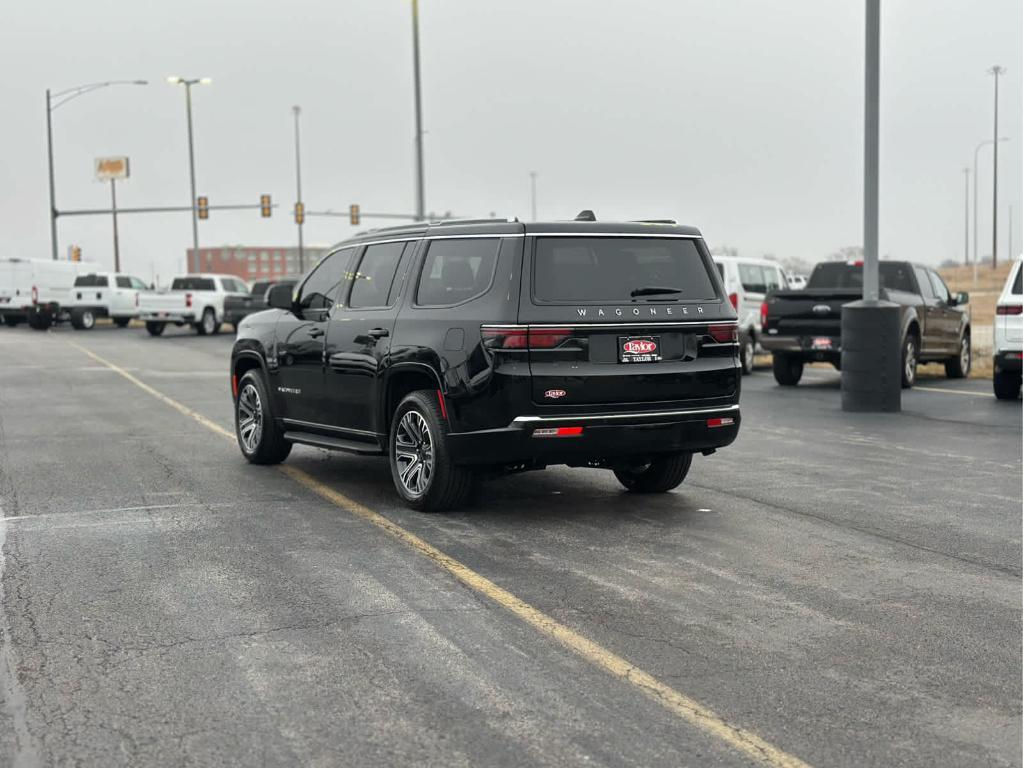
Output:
x,y
845,586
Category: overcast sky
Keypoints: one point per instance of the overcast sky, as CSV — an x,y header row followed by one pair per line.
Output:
x,y
741,117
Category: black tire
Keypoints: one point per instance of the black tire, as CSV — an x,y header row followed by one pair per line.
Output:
x,y
1007,384
11,321
958,367
122,322
155,327
259,437
910,357
83,319
747,349
39,321
660,475
207,325
788,370
441,484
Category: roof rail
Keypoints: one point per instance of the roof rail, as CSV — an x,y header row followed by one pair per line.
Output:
x,y
654,221
490,220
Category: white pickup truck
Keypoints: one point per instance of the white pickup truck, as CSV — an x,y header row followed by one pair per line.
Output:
x,y
104,294
196,300
36,290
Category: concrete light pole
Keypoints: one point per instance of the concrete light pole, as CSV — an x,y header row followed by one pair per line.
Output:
x,y
966,215
53,101
976,228
188,83
420,195
996,71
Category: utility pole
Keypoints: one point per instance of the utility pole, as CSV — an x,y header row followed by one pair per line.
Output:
x,y
966,216
113,210
298,182
420,195
49,154
532,197
188,83
871,153
996,71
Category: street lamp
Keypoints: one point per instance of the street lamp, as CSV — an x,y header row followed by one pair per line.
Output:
x,y
420,202
53,101
297,110
976,153
188,83
996,71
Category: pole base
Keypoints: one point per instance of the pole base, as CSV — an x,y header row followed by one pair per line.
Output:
x,y
872,357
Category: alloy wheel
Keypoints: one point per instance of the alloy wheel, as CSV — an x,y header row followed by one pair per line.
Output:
x,y
910,365
964,355
250,418
413,453
208,322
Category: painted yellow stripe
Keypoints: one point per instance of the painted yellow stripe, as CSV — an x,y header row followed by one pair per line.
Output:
x,y
679,704
966,392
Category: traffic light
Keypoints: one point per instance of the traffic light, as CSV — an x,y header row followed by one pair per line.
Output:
x,y
204,207
76,253
299,213
353,214
264,206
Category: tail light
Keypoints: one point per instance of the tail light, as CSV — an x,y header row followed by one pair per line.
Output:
x,y
35,294
763,313
1002,309
515,338
734,299
188,300
724,333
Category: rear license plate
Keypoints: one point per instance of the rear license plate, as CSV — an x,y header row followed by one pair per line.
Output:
x,y
639,349
822,342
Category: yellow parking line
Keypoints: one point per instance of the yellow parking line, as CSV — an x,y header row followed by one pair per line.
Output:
x,y
954,391
684,707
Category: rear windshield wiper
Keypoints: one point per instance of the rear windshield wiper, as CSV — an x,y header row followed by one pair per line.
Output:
x,y
653,290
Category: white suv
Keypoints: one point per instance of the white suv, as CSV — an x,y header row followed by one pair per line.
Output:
x,y
1008,346
747,281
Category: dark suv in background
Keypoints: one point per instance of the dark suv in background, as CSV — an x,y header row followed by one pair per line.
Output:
x,y
468,349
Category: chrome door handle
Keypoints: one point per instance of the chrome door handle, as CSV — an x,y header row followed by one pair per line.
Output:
x,y
379,333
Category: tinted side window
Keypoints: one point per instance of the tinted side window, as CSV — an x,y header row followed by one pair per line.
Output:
x,y
925,283
320,289
85,281
123,282
752,278
771,280
457,270
1017,286
940,289
377,272
260,288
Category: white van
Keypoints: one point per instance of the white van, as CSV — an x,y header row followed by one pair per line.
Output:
x,y
747,281
36,290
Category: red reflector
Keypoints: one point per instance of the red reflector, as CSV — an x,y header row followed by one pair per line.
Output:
x,y
725,421
443,405
1009,309
723,333
188,299
558,432
734,298
234,386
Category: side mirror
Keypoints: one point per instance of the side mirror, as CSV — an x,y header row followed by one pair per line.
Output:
x,y
960,298
280,296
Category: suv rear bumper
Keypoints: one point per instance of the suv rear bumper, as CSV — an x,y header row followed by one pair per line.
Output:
x,y
604,436
1008,360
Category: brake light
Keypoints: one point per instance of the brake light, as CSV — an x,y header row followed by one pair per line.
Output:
x,y
188,300
524,338
35,294
763,313
734,299
1002,309
725,421
723,333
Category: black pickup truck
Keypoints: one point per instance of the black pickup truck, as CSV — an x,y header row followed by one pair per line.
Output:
x,y
806,325
237,308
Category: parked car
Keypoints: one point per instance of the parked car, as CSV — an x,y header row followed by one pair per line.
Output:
x,y
797,282
805,326
470,349
237,308
196,300
747,281
1008,346
104,294
36,290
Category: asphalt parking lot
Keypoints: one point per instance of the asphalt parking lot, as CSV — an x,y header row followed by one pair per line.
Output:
x,y
837,589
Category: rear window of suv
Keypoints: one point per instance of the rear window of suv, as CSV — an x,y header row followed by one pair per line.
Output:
x,y
609,269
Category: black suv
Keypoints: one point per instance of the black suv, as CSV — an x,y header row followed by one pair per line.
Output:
x,y
473,348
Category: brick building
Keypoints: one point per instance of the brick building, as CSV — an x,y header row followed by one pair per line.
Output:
x,y
252,262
